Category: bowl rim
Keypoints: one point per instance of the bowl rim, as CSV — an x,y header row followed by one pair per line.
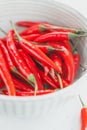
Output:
x,y
72,86
45,96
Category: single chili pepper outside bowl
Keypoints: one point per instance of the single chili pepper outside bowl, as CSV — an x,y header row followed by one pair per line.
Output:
x,y
58,14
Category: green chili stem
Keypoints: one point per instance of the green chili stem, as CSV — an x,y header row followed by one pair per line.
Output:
x,y
17,72
60,81
3,31
83,105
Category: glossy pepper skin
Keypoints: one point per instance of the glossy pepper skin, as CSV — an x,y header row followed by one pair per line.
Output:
x,y
56,36
22,86
67,57
31,37
34,30
1,84
7,56
19,85
48,79
17,59
83,115
33,68
37,53
28,23
5,75
12,68
57,60
46,48
67,44
31,93
50,26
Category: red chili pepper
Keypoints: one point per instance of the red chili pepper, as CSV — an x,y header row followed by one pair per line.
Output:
x,y
48,80
76,58
46,70
31,93
7,57
46,48
36,53
17,59
10,63
56,36
31,37
45,67
67,57
33,68
83,116
67,45
34,29
3,40
53,27
57,60
28,23
5,75
1,84
21,85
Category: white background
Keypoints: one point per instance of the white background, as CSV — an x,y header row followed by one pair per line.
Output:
x,y
68,117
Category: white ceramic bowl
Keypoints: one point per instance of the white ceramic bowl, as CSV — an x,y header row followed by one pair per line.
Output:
x,y
56,13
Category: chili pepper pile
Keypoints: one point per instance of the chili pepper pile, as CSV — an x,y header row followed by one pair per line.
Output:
x,y
38,60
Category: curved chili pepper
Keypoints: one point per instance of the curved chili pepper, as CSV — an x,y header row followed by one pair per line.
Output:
x,y
7,57
46,48
67,57
31,93
36,52
83,115
57,36
67,45
18,60
44,66
46,69
76,58
3,40
34,29
10,63
51,26
31,37
33,68
57,60
48,80
1,84
21,85
28,23
5,75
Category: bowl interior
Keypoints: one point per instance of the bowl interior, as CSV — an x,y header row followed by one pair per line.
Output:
x,y
50,11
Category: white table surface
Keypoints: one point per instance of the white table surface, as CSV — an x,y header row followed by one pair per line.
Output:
x,y
69,119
